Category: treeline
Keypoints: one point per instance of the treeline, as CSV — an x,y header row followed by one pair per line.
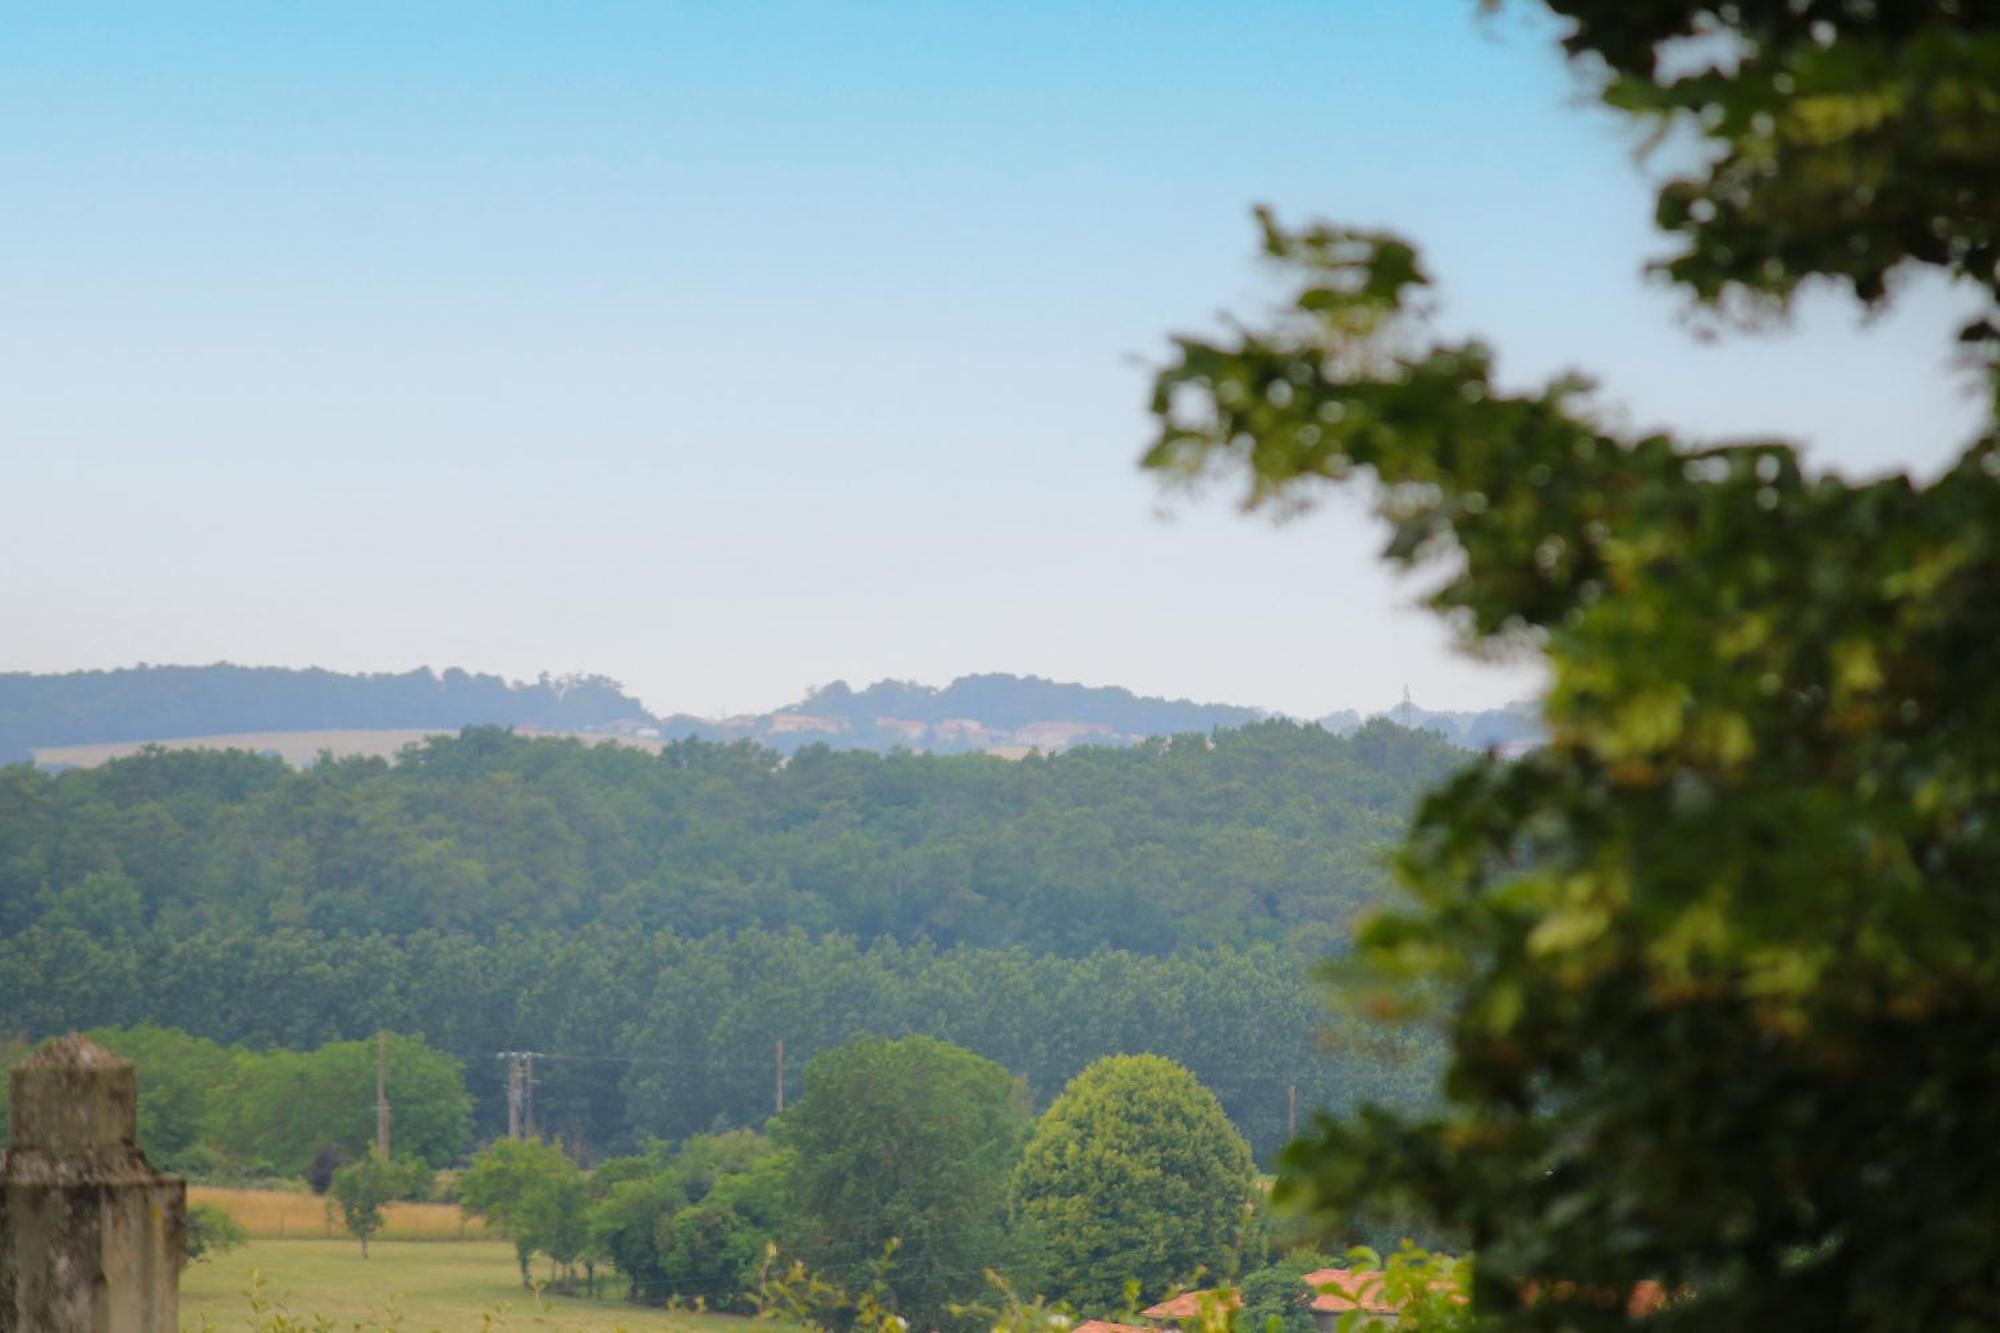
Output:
x,y
1005,702
1273,831
140,703
210,1110
648,1034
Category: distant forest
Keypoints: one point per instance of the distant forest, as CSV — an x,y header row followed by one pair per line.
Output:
x,y
971,714
1008,702
163,702
1274,832
657,922
650,1034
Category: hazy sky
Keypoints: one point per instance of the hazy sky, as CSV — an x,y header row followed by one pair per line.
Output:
x,y
730,348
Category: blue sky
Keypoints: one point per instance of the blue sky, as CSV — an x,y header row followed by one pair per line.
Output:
x,y
732,348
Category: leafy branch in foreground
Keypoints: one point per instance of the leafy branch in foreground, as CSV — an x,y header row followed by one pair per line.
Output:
x,y
1717,963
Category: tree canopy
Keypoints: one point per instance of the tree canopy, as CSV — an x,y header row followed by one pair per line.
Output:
x,y
1134,1174
360,1189
532,1191
907,1142
1715,965
1171,843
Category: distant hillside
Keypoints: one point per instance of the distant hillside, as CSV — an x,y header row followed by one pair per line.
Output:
x,y
1007,715
87,716
1506,729
165,702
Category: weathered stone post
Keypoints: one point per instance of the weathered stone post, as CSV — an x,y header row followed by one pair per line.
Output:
x,y
90,1234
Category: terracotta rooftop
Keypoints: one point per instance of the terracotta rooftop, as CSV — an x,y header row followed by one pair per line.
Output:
x,y
1338,1290
1106,1326
1188,1304
1645,1299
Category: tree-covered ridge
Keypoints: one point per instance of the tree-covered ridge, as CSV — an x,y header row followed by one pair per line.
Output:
x,y
1006,701
993,712
162,702
1269,832
650,1034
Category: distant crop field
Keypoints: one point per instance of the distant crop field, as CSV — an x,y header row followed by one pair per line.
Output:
x,y
469,1288
272,1215
296,748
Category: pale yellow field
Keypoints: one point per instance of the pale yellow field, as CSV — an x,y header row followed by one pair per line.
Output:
x,y
271,1215
469,1288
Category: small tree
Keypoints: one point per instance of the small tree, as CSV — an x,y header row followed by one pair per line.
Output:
x,y
360,1189
533,1193
1134,1173
907,1142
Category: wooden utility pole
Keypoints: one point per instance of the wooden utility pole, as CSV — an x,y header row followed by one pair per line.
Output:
x,y
382,1094
528,1093
1292,1113
514,1093
781,1076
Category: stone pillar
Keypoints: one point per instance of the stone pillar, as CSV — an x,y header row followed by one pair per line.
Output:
x,y
90,1235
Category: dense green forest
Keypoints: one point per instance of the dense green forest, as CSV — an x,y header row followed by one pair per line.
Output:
x,y
651,1034
656,923
141,703
1271,832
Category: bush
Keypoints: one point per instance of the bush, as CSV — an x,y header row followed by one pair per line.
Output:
x,y
326,1160
210,1230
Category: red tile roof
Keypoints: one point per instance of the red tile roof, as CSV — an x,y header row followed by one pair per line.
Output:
x,y
1106,1326
1338,1290
1188,1304
1645,1298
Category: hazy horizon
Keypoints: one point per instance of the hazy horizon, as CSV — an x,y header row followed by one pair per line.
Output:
x,y
770,706
730,349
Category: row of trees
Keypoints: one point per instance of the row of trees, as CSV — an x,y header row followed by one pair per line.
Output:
x,y
1268,832
680,1034
206,1108
908,1170
221,699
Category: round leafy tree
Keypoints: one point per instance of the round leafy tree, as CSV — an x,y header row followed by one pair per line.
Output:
x,y
1135,1174
909,1142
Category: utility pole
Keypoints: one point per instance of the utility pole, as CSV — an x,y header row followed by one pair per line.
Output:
x,y
516,1092
781,1076
1292,1113
528,1087
382,1094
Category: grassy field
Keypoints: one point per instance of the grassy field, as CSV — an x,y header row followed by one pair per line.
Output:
x,y
469,1288
271,1215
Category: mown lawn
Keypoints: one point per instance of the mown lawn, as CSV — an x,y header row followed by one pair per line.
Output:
x,y
437,1286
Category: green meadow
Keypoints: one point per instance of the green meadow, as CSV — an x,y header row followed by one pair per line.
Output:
x,y
404,1286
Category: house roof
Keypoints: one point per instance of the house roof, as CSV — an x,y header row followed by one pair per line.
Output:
x,y
1188,1304
1106,1326
1337,1290
1645,1299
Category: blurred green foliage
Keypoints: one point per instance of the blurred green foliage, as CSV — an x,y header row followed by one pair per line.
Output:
x,y
1717,965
